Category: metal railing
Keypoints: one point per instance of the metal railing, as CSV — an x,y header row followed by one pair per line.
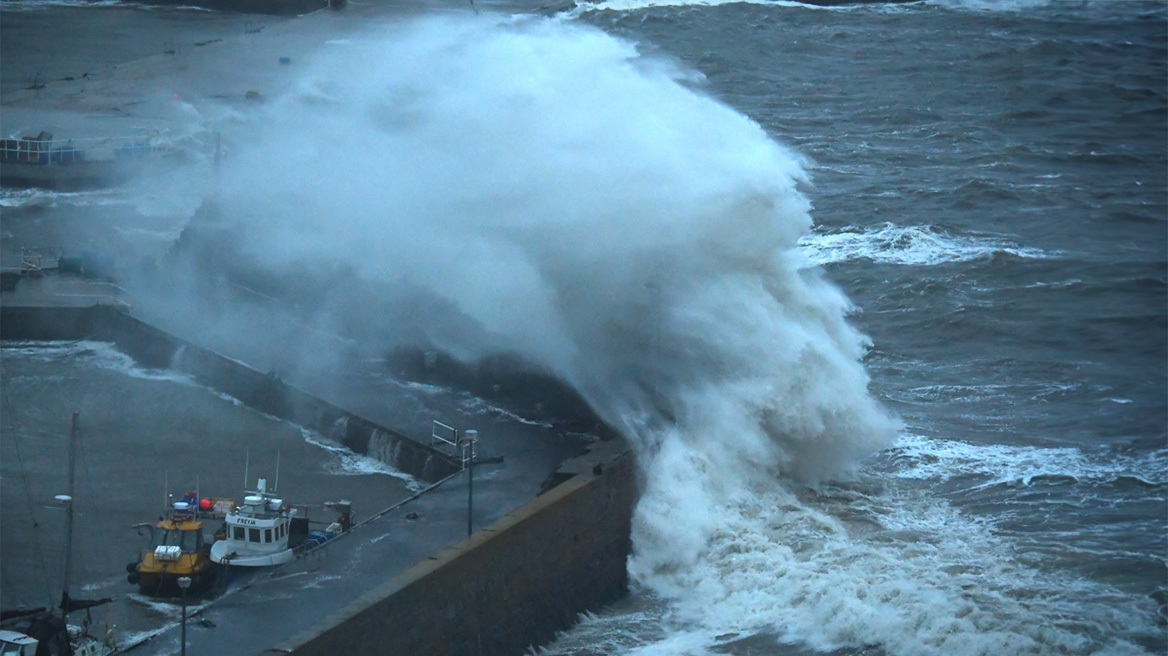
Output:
x,y
43,150
463,446
34,261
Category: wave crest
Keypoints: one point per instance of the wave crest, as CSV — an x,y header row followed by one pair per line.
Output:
x,y
907,245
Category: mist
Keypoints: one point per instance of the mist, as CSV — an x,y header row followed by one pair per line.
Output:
x,y
481,185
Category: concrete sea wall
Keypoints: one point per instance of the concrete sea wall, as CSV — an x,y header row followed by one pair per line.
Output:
x,y
155,348
510,585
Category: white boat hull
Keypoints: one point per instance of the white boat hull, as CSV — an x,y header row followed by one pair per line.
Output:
x,y
221,553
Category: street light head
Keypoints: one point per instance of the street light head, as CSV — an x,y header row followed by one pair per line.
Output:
x,y
184,582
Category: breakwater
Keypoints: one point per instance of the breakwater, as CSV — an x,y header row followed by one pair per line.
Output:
x,y
267,393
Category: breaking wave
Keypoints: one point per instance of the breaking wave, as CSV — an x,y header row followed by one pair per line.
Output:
x,y
542,189
909,246
927,458
583,6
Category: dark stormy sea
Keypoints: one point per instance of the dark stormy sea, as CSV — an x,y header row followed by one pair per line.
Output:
x,y
878,293
987,186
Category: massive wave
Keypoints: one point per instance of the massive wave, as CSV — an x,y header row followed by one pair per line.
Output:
x,y
542,189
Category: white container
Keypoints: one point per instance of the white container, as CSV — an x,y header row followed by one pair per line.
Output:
x,y
167,554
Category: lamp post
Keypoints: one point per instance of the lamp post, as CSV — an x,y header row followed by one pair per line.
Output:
x,y
470,437
184,582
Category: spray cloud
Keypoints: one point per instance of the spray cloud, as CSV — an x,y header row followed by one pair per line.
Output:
x,y
541,188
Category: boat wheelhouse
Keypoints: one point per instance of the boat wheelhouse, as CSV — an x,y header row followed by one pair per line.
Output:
x,y
179,548
260,531
264,531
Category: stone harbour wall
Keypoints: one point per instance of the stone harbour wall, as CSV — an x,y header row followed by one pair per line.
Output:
x,y
509,586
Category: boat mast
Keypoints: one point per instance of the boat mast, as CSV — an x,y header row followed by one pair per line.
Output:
x,y
67,501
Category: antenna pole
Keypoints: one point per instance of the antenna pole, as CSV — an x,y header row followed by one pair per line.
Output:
x,y
68,502
246,461
276,485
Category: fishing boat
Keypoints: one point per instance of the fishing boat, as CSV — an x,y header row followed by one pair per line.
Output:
x,y
180,548
264,531
44,632
41,632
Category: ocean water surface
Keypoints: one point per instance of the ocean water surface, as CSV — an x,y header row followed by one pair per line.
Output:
x,y
988,188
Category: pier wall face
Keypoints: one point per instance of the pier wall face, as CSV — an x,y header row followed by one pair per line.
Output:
x,y
151,347
46,324
510,586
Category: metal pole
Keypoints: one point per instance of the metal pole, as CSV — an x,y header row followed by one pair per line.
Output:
x,y
470,495
68,503
184,583
184,622
471,436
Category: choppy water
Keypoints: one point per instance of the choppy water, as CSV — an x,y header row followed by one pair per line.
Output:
x,y
879,293
989,189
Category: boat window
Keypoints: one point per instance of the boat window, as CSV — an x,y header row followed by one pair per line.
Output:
x,y
158,538
253,535
164,538
188,540
236,532
267,535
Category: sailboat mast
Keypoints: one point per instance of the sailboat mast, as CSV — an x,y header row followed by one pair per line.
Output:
x,y
68,503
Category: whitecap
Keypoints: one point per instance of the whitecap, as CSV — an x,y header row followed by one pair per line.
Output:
x,y
925,458
922,245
